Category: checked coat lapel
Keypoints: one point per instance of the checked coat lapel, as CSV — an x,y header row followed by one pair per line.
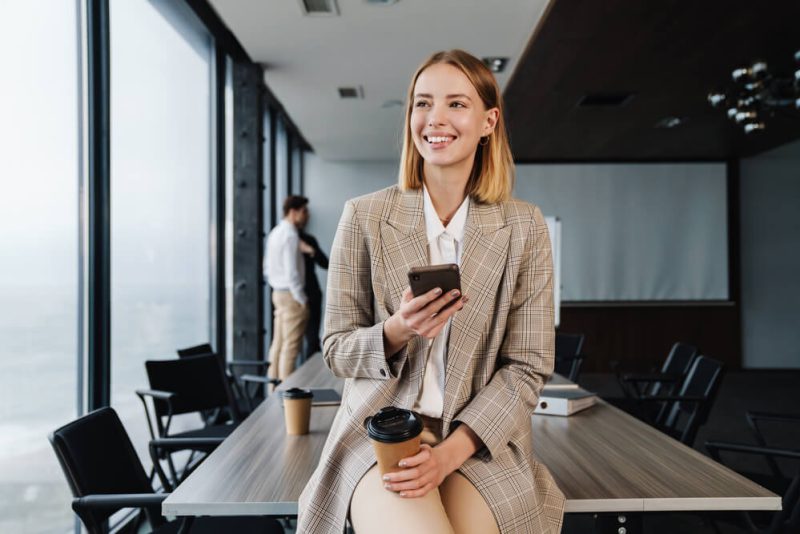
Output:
x,y
482,264
405,245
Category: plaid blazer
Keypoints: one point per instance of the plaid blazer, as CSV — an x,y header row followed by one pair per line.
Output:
x,y
500,352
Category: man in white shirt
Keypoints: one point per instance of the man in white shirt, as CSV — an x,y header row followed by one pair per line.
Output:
x,y
285,272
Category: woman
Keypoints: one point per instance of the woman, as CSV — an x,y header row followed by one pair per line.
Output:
x,y
475,370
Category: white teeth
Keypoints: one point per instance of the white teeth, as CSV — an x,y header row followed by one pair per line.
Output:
x,y
438,139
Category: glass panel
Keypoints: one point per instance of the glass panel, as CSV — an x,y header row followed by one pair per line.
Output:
x,y
270,214
160,189
281,167
229,206
39,151
297,167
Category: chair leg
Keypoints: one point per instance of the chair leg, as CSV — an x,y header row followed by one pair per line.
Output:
x,y
186,525
172,471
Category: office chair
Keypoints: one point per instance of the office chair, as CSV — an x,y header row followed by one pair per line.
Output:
x,y
788,518
194,384
105,475
568,355
688,410
246,398
666,381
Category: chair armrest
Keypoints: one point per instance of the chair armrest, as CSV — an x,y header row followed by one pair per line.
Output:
x,y
180,444
159,445
259,379
669,398
117,500
651,377
156,394
773,416
166,396
715,446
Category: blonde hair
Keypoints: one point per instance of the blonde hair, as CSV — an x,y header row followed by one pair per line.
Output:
x,y
492,176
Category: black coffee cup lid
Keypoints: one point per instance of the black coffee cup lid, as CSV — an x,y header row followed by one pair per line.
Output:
x,y
297,393
393,425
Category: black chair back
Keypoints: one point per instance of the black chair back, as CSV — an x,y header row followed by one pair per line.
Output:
x,y
196,350
97,457
198,382
568,355
678,362
703,380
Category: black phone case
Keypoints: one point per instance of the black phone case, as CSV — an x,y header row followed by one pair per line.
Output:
x,y
423,279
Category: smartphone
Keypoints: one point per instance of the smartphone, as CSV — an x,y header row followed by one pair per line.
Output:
x,y
445,276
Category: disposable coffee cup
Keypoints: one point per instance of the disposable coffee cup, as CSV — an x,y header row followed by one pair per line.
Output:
x,y
395,434
297,410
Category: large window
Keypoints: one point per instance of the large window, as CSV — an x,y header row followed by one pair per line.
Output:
x,y
40,155
161,167
281,166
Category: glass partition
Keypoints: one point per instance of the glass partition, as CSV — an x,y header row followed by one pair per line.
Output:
x,y
161,168
40,153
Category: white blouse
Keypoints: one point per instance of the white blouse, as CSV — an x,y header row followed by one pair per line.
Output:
x,y
444,246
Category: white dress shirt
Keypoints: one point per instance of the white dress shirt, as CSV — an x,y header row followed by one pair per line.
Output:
x,y
444,246
285,268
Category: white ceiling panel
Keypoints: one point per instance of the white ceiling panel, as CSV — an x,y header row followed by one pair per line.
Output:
x,y
307,58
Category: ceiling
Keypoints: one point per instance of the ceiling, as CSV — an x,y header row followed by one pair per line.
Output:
x,y
669,54
376,47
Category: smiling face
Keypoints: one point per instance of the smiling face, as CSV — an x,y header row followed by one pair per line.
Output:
x,y
448,117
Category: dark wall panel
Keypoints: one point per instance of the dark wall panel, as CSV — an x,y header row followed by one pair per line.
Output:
x,y
248,213
639,337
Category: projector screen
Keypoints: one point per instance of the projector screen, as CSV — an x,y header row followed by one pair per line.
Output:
x,y
635,232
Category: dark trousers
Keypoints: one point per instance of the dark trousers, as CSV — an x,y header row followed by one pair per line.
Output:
x,y
311,341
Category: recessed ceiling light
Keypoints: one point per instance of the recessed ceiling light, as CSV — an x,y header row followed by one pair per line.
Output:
x,y
351,92
496,64
319,8
382,2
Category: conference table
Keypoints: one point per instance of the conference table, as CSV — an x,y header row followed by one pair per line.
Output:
x,y
605,461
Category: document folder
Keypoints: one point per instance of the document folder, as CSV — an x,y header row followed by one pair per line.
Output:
x,y
564,402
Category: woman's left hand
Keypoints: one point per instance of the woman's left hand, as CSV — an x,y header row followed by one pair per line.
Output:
x,y
424,472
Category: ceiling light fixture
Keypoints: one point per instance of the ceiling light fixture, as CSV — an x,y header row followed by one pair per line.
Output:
x,y
670,122
496,64
319,8
759,94
351,92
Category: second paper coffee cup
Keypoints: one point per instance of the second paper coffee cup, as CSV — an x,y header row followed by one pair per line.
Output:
x,y
395,434
297,410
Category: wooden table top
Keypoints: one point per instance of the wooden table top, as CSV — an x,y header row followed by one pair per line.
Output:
x,y
603,460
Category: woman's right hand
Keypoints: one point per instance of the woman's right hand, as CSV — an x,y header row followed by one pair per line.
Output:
x,y
422,316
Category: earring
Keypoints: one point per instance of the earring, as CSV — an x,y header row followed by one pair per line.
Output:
x,y
484,140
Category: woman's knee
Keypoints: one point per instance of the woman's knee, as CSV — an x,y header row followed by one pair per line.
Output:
x,y
376,509
467,510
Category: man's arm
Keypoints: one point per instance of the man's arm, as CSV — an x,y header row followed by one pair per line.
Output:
x,y
292,264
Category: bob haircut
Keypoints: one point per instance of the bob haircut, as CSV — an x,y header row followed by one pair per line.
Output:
x,y
492,176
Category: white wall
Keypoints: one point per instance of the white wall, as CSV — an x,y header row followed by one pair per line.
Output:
x,y
329,184
630,232
636,232
770,258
